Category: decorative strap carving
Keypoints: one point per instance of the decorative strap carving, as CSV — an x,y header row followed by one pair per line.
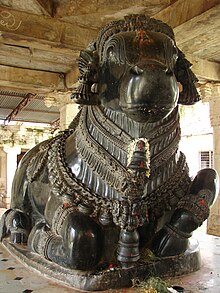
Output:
x,y
197,204
96,155
172,230
59,217
42,239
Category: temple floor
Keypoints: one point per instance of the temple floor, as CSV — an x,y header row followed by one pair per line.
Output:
x,y
15,278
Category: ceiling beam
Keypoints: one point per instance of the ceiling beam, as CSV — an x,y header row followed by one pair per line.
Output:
x,y
200,35
30,80
36,59
183,10
204,69
200,24
64,9
25,101
46,33
46,6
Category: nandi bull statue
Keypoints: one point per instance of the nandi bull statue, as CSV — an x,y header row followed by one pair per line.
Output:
x,y
114,185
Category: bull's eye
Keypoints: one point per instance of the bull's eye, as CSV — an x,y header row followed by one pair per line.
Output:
x,y
136,70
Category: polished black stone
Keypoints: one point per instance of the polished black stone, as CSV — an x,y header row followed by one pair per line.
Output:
x,y
87,204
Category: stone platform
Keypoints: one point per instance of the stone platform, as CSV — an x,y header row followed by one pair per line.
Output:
x,y
111,278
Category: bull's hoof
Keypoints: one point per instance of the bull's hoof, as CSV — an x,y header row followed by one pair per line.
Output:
x,y
3,226
16,224
168,242
19,236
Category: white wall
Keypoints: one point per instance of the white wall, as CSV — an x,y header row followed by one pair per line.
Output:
x,y
196,133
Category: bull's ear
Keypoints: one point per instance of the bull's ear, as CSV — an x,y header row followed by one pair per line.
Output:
x,y
189,94
87,91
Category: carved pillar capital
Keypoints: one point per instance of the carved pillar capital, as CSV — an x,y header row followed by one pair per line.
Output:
x,y
57,99
68,109
209,91
12,150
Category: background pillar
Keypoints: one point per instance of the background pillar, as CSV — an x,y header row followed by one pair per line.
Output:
x,y
67,114
12,153
211,92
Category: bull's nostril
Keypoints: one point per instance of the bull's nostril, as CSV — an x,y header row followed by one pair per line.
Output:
x,y
136,70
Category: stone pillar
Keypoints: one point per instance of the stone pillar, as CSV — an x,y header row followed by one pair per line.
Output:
x,y
67,114
3,177
211,93
12,153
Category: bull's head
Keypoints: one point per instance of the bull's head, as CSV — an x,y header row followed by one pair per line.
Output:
x,y
134,66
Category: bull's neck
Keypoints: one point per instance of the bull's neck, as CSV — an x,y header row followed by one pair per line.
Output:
x,y
107,134
103,137
111,132
128,126
141,130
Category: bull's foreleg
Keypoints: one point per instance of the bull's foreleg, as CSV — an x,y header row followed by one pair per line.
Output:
x,y
16,224
191,212
70,238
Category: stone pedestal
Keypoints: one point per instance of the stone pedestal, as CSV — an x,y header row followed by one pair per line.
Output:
x,y
12,153
112,277
211,92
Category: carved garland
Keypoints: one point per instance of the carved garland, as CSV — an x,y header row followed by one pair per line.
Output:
x,y
63,179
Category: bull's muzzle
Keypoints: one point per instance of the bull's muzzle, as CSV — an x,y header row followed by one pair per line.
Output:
x,y
148,92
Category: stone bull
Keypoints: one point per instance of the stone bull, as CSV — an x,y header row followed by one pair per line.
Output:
x,y
115,183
